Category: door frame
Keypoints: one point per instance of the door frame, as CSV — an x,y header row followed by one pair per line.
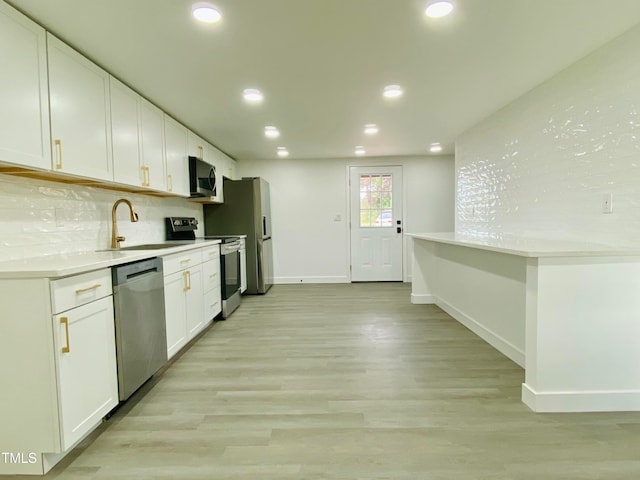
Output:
x,y
404,210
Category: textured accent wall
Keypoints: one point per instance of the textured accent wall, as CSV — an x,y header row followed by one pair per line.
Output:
x,y
43,218
541,166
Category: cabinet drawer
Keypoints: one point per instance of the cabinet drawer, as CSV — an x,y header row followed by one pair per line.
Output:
x,y
212,304
78,290
211,275
180,261
211,253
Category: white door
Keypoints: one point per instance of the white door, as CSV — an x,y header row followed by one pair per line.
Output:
x,y
88,381
80,113
24,96
376,223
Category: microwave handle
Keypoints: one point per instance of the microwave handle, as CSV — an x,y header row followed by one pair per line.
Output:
x,y
212,180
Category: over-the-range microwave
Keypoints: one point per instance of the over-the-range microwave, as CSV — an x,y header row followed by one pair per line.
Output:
x,y
202,178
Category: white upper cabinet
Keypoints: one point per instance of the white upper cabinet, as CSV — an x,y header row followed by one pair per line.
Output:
x,y
80,113
196,146
137,127
175,141
24,98
152,145
126,135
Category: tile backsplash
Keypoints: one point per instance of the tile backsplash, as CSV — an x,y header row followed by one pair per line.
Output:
x,y
541,166
39,217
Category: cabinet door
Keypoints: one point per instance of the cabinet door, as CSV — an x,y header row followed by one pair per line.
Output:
x,y
216,158
175,141
80,113
175,312
196,146
195,314
152,143
24,115
87,372
125,134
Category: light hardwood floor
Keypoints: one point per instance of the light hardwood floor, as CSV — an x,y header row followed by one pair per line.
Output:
x,y
347,382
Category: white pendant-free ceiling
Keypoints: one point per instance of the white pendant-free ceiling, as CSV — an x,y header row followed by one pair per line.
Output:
x,y
322,65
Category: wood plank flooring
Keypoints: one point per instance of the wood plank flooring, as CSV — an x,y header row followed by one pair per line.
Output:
x,y
347,382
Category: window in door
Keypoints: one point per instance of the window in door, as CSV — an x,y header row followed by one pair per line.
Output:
x,y
375,201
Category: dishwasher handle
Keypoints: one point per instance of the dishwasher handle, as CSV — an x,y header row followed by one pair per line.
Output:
x,y
128,272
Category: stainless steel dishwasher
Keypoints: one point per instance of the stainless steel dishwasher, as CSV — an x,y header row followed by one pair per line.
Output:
x,y
141,338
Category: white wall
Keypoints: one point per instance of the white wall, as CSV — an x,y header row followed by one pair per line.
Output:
x,y
540,166
306,195
42,218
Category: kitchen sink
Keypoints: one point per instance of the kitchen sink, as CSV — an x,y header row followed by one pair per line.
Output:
x,y
146,246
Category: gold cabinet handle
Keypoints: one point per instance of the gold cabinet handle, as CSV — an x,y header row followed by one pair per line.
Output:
x,y
65,321
201,150
170,183
214,304
187,281
213,275
92,287
145,176
58,144
186,260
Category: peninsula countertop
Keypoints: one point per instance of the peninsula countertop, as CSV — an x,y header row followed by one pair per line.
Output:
x,y
528,247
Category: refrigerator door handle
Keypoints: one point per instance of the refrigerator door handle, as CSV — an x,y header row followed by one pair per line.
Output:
x,y
264,226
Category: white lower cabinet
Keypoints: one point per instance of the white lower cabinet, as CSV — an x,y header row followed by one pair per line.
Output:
x,y
212,304
86,360
189,304
57,365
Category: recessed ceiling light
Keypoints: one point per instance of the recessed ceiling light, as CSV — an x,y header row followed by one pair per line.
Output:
x,y
360,151
283,152
271,132
393,91
252,95
439,8
205,12
435,148
370,129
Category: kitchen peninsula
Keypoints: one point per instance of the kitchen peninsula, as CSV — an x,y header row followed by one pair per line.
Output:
x,y
568,312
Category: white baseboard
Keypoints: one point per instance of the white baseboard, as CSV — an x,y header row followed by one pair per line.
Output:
x,y
290,280
587,401
422,299
493,339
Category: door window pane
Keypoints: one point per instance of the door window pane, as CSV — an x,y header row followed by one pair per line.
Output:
x,y
376,209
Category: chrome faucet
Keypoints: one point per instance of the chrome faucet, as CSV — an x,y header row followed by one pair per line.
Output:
x,y
115,238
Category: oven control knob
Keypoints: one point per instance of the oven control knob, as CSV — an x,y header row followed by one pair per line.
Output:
x,y
193,221
177,222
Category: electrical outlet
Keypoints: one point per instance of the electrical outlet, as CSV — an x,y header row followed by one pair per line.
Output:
x,y
607,203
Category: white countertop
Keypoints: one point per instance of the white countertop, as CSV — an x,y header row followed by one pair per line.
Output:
x,y
528,247
52,266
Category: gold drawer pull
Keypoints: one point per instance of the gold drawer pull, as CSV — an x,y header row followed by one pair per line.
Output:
x,y
213,275
58,144
65,321
170,183
92,287
186,260
201,150
214,304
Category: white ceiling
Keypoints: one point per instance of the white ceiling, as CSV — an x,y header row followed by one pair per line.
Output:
x,y
322,64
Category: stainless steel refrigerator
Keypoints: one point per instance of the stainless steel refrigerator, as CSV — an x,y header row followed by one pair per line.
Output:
x,y
246,211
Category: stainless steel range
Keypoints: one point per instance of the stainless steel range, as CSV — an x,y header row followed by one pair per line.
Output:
x,y
183,228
